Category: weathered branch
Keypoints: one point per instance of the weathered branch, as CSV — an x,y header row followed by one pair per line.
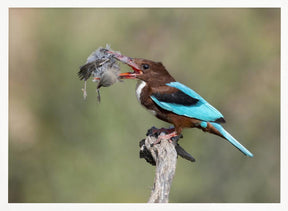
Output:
x,y
164,156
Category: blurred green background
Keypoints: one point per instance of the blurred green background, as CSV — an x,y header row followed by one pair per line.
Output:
x,y
65,149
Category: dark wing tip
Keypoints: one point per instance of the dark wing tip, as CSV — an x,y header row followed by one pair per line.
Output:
x,y
85,71
220,120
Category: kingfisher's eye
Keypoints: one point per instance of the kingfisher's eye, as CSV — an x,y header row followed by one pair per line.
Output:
x,y
145,66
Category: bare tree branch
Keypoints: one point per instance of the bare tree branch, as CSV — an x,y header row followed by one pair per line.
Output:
x,y
164,156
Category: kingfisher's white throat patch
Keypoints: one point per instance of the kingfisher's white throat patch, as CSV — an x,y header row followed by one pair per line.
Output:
x,y
139,90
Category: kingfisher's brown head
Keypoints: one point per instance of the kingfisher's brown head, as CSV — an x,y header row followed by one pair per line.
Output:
x,y
146,70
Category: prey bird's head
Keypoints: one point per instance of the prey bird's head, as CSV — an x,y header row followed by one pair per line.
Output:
x,y
143,69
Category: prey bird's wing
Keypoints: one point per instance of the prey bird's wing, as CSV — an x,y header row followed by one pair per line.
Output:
x,y
186,102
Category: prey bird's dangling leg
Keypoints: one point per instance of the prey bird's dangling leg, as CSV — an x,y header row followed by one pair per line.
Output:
x,y
84,90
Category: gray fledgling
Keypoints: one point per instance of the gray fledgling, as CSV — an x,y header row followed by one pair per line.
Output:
x,y
102,66
109,77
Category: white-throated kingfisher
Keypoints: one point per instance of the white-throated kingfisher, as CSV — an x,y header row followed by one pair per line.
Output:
x,y
174,102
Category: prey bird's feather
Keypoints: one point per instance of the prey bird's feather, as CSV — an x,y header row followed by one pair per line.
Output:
x,y
103,67
98,63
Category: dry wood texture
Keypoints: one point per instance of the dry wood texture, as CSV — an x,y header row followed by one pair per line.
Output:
x,y
164,156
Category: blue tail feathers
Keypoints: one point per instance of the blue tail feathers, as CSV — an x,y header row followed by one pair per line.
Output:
x,y
231,139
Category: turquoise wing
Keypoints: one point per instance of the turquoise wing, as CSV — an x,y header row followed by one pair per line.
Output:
x,y
201,110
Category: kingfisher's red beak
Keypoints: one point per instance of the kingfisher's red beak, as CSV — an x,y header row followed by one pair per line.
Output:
x,y
130,62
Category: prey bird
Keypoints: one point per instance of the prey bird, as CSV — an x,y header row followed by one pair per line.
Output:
x,y
174,102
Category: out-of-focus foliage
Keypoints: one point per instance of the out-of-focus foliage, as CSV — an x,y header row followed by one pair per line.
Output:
x,y
65,149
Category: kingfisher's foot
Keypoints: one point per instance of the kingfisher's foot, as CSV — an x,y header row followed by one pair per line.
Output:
x,y
175,139
168,137
156,132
